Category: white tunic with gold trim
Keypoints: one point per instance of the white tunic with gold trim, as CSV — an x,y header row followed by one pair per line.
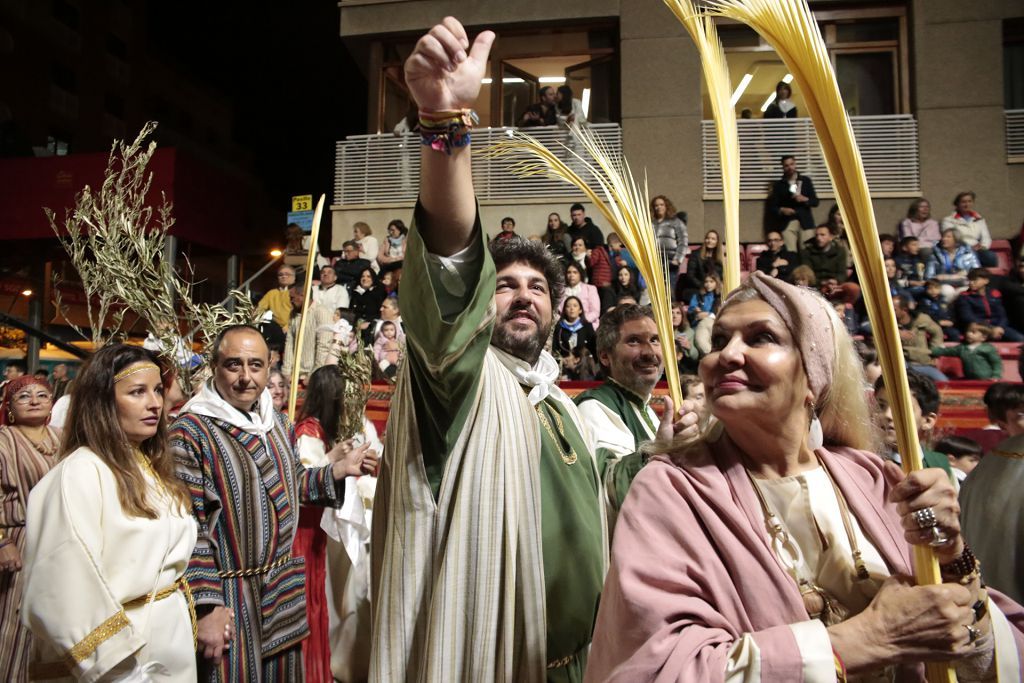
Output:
x,y
85,560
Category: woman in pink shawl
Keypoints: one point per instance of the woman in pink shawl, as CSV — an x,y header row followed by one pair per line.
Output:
x,y
777,546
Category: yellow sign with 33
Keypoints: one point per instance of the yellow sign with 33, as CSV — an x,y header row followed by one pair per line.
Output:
x,y
302,202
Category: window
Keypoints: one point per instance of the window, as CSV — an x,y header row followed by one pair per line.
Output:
x,y
58,145
1013,63
868,49
524,61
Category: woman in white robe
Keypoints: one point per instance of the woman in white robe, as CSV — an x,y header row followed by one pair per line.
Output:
x,y
109,536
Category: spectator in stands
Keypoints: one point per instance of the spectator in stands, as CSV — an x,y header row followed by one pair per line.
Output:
x,y
708,260
888,243
687,356
60,380
626,284
964,454
869,362
803,276
582,226
574,332
991,504
848,316
586,293
367,297
369,248
950,263
329,293
932,302
706,302
982,304
391,256
919,333
556,238
972,228
924,402
389,312
792,198
920,224
979,358
782,107
897,283
387,349
619,255
508,229
825,256
670,232
277,301
693,391
777,261
351,265
543,112
911,264
568,109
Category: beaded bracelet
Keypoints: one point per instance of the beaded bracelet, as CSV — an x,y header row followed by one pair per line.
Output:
x,y
446,130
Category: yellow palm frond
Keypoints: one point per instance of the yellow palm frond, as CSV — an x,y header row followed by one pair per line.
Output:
x,y
621,201
716,74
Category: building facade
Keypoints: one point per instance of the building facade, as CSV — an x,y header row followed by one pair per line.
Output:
x,y
932,87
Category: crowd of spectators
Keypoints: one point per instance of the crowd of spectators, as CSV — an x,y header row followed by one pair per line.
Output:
x,y
946,299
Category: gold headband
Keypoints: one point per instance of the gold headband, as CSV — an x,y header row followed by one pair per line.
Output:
x,y
135,367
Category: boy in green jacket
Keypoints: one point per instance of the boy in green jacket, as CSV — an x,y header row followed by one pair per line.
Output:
x,y
980,359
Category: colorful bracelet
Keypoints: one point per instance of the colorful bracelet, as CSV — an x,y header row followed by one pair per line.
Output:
x,y
446,130
840,667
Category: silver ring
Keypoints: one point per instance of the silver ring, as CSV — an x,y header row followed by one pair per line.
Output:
x,y
937,537
925,518
972,634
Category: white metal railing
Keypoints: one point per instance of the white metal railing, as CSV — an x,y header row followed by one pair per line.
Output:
x,y
888,146
1015,136
385,169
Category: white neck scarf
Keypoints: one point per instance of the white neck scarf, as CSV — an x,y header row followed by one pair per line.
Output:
x,y
541,376
210,403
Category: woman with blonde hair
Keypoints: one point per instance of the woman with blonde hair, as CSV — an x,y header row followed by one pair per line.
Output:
x,y
369,248
777,545
109,535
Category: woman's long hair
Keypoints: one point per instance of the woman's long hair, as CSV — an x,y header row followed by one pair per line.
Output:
x,y
93,423
583,316
843,408
325,401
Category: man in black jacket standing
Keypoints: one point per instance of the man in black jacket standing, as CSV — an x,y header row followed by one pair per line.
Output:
x,y
791,199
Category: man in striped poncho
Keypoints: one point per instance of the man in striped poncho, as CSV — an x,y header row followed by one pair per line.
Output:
x,y
489,539
237,456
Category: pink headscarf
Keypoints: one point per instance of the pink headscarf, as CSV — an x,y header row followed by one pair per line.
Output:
x,y
13,387
809,318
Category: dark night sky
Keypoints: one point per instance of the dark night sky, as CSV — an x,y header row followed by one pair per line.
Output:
x,y
294,87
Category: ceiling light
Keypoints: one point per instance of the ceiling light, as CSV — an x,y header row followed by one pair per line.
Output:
x,y
771,98
486,81
551,79
276,253
585,102
788,78
744,82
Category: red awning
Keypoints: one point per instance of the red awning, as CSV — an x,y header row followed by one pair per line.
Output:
x,y
208,204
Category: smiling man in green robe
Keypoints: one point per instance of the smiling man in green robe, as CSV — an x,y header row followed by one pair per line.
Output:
x,y
489,541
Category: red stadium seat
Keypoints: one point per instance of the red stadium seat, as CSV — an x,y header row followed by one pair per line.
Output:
x,y
1004,257
753,251
950,366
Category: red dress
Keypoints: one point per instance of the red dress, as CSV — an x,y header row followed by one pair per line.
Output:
x,y
311,543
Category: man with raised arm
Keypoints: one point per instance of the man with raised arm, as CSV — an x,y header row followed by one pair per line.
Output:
x,y
489,538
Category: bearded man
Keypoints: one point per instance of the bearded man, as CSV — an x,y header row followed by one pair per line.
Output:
x,y
489,539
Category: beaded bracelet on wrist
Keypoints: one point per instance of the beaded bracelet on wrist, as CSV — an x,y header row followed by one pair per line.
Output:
x,y
446,130
967,565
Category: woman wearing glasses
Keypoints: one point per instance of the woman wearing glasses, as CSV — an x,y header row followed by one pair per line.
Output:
x,y
27,450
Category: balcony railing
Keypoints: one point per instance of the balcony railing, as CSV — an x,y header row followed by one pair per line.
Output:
x,y
888,147
1015,136
384,170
